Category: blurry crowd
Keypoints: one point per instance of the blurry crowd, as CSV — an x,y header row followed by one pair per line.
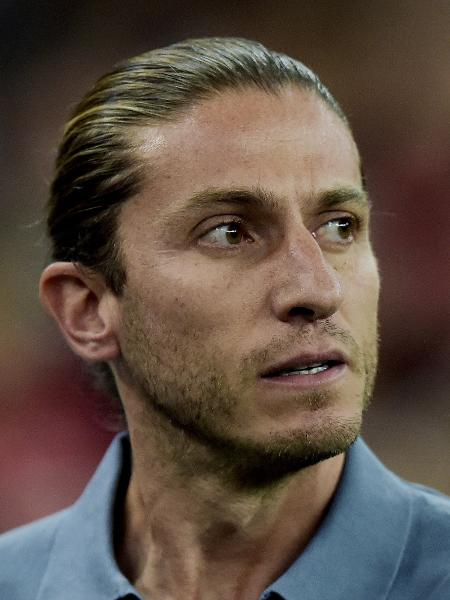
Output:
x,y
389,66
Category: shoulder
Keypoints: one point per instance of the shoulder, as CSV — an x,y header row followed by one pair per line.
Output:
x,y
430,522
402,528
430,519
429,502
24,555
425,563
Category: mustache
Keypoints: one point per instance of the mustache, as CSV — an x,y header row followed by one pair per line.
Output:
x,y
324,334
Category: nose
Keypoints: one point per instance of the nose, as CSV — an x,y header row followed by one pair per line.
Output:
x,y
305,286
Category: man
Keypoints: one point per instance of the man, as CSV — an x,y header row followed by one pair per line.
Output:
x,y
210,233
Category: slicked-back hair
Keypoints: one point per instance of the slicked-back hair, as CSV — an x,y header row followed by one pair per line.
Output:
x,y
97,167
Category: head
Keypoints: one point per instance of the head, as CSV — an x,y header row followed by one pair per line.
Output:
x,y
210,232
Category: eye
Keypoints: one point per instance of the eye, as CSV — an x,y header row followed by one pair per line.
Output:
x,y
226,235
338,231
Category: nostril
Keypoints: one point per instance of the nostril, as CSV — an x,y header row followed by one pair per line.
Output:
x,y
302,311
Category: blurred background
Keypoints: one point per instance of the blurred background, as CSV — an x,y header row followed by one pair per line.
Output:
x,y
388,63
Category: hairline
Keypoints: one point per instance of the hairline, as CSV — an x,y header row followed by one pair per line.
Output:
x,y
137,146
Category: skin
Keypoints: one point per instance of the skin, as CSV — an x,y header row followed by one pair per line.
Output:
x,y
219,452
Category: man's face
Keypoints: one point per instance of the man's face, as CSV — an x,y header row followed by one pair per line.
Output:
x,y
249,314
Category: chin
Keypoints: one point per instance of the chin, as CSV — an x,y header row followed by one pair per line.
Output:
x,y
279,455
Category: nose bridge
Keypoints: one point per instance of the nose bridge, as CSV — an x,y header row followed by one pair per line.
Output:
x,y
305,283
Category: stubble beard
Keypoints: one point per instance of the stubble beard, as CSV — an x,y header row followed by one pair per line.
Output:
x,y
191,406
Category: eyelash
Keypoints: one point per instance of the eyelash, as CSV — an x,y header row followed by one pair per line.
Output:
x,y
355,222
238,223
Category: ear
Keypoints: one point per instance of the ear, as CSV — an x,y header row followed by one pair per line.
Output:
x,y
84,308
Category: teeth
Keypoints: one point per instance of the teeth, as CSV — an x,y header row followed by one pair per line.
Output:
x,y
309,370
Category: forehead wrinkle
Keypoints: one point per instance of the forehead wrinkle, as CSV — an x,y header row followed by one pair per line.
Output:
x,y
252,197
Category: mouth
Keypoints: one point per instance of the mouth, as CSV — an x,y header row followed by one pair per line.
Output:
x,y
302,370
307,370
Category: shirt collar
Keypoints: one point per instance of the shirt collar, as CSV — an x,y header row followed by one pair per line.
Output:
x,y
358,547
82,563
354,554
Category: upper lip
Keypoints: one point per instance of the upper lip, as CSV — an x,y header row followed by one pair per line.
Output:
x,y
304,359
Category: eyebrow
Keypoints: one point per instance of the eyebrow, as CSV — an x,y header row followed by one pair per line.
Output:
x,y
334,197
259,198
256,197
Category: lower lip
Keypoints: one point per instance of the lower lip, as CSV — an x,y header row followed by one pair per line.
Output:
x,y
323,378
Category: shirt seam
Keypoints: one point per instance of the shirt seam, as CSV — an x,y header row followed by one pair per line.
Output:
x,y
49,555
402,553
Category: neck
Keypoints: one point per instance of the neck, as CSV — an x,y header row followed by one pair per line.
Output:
x,y
190,530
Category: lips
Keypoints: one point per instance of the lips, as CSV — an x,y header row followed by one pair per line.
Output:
x,y
306,364
313,369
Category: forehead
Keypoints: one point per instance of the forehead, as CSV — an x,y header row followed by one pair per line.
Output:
x,y
288,142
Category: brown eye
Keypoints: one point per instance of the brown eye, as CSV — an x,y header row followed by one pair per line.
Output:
x,y
226,235
233,233
337,231
344,228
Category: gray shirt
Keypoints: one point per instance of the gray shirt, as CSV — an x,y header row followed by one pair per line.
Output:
x,y
382,538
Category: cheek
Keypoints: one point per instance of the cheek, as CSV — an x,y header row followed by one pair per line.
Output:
x,y
361,292
193,299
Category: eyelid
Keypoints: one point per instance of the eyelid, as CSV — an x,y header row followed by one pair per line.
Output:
x,y
211,223
226,223
350,210
355,219
323,232
360,219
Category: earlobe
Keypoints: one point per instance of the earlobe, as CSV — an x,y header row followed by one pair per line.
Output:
x,y
84,309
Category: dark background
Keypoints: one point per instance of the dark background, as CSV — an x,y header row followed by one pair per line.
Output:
x,y
388,63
